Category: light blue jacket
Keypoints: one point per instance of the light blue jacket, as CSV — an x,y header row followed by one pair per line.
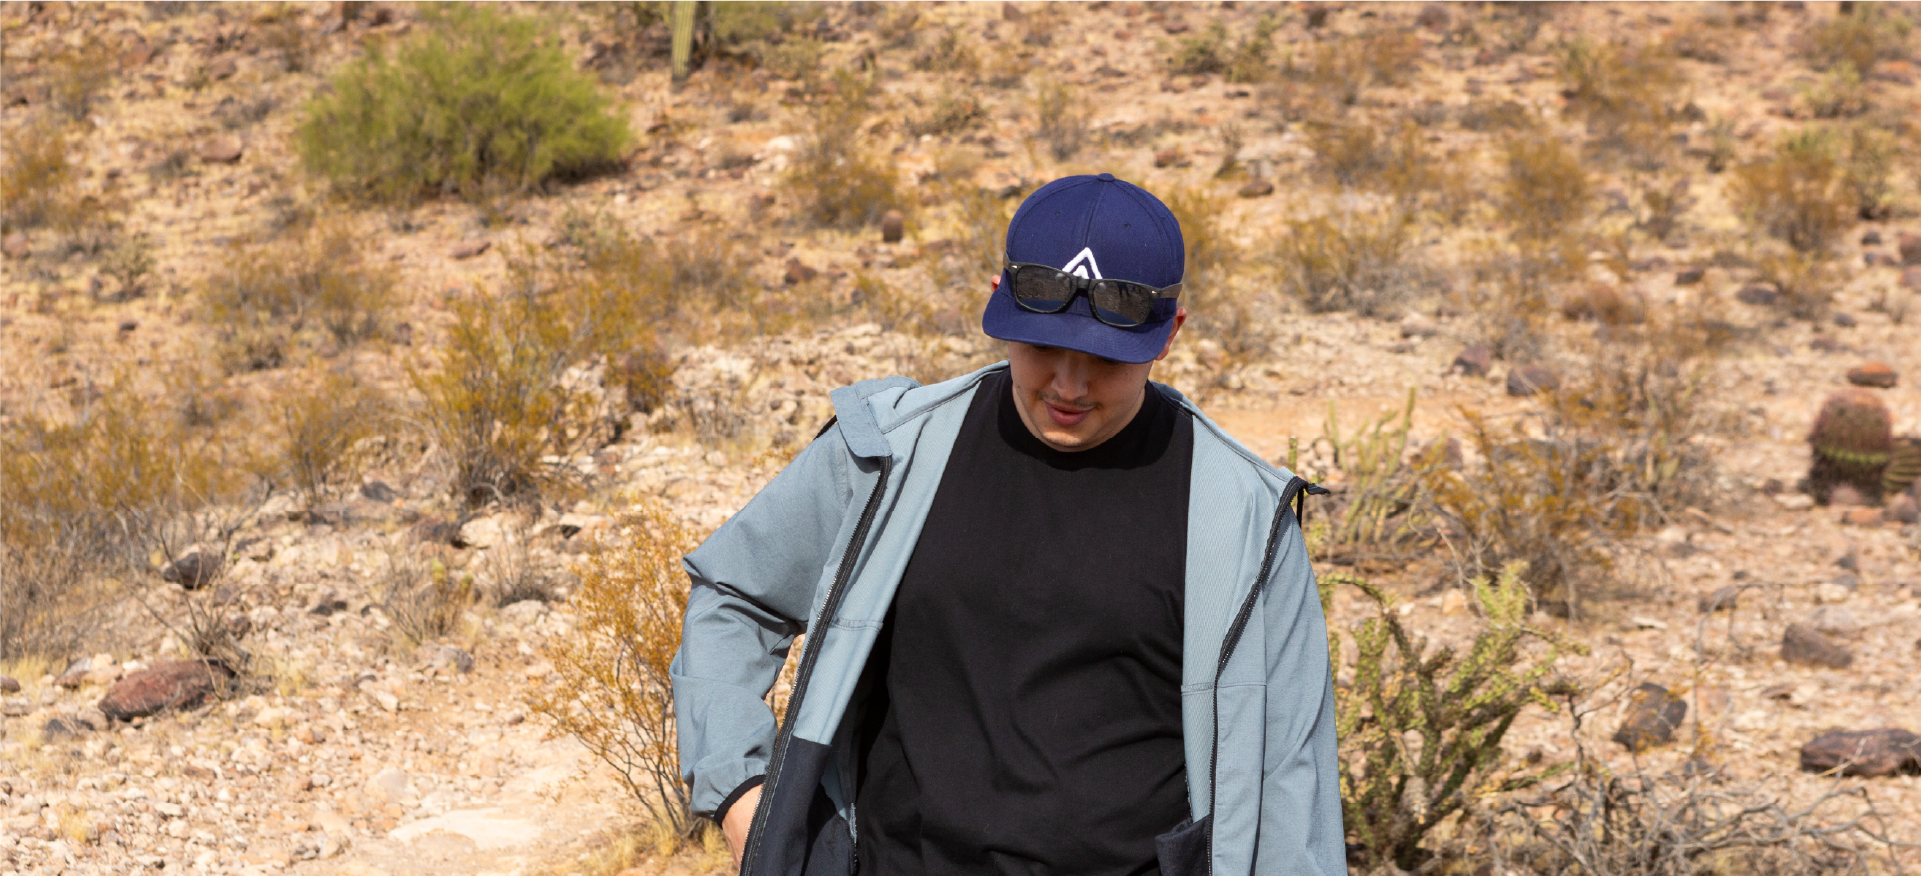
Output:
x,y
820,551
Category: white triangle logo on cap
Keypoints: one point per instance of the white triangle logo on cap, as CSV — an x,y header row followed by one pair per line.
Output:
x,y
1084,266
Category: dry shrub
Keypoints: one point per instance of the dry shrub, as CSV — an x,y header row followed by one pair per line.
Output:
x,y
1209,53
840,183
79,73
36,181
1221,305
87,500
1868,170
1546,194
611,687
510,573
1354,260
475,101
1797,194
1836,93
956,110
1356,155
1860,37
1421,728
1061,119
1807,281
949,54
1374,492
1624,92
283,32
321,278
323,431
423,600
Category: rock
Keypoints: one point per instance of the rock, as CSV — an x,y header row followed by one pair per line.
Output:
x,y
1911,278
1806,645
393,785
1846,320
435,530
1870,237
484,532
173,684
1453,603
221,150
524,612
1903,509
1652,716
799,272
437,656
1689,276
75,674
1910,249
1834,620
1845,495
1434,17
223,67
1869,517
16,246
1872,753
572,524
1474,361
379,491
467,249
382,698
8,685
1723,599
1415,325
1167,158
1256,188
16,708
193,571
1530,379
1876,374
1758,294
892,226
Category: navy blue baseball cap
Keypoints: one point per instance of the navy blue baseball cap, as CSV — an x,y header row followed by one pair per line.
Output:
x,y
1098,227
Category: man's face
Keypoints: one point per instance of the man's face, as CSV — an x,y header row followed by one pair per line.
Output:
x,y
1074,401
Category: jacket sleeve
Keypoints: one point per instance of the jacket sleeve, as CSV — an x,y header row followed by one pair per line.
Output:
x,y
752,585
1301,831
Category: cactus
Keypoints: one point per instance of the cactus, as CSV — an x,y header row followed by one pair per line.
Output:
x,y
1852,439
1904,465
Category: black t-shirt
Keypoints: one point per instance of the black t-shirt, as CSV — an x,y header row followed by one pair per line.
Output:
x,y
1023,708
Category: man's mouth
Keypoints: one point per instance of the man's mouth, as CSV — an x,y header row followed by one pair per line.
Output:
x,y
1064,415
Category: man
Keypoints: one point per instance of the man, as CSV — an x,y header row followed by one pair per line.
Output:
x,y
1057,621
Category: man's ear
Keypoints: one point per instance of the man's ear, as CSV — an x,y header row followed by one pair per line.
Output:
x,y
1180,316
997,283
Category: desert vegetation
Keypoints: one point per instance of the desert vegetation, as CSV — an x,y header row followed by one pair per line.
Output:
x,y
369,366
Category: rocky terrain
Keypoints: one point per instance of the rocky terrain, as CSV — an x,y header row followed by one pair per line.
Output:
x,y
350,748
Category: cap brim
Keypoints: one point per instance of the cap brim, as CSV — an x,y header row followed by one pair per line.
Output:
x,y
1074,328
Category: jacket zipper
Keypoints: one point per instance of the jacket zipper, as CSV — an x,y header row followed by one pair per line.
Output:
x,y
1290,493
808,656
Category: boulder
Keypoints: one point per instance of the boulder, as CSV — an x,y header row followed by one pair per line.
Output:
x,y
1875,374
8,684
1653,714
892,226
1530,379
173,684
1808,646
1257,188
193,571
1872,753
1474,361
221,150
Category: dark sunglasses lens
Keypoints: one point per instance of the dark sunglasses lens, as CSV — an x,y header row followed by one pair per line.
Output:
x,y
1121,304
1042,290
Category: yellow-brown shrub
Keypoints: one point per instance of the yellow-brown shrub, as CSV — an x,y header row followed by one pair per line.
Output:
x,y
1628,95
323,275
1797,193
1545,196
833,176
611,688
320,429
36,181
1348,260
1060,119
1860,37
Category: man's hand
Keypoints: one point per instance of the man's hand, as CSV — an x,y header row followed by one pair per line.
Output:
x,y
740,817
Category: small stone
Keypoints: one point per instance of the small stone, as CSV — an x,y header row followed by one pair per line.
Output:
x,y
1903,509
8,685
1911,278
435,530
382,698
1653,714
892,226
74,675
484,532
129,325
1689,276
1723,599
393,785
799,272
1834,620
1806,645
16,246
1415,325
467,249
379,491
1869,517
221,150
1434,17
1474,361
1845,495
1167,158
171,684
1870,237
193,571
1872,753
1257,188
1758,294
223,67
1530,379
1846,320
1879,375
1910,249
18,707
1453,603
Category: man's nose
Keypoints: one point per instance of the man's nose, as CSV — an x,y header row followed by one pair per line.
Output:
x,y
1071,378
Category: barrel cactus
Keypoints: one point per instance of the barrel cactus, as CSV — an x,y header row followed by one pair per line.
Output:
x,y
1853,438
1904,465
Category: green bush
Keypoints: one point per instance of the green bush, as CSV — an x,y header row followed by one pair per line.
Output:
x,y
476,103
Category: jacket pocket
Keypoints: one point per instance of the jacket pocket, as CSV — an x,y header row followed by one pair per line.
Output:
x,y
1183,850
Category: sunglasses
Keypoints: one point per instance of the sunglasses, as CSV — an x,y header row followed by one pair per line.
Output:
x,y
1119,303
